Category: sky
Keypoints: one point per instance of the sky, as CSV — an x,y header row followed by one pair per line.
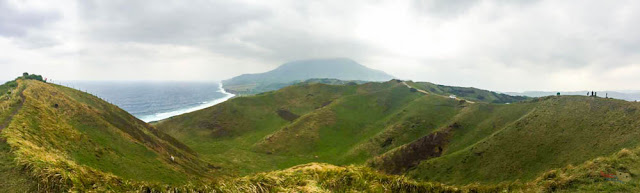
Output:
x,y
497,45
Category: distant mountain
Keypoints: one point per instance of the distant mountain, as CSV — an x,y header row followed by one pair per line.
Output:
x,y
298,71
624,95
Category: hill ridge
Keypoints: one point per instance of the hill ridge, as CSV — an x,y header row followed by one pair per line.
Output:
x,y
69,140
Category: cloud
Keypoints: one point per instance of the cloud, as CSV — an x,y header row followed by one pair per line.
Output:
x,y
15,22
494,44
177,22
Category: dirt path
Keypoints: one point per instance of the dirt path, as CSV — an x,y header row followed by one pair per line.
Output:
x,y
419,90
7,120
425,92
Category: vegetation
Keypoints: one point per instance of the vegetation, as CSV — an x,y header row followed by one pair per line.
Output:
x,y
67,139
32,76
584,177
322,70
314,137
380,124
472,94
338,124
558,131
5,89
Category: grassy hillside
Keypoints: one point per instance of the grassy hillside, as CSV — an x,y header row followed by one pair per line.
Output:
x,y
397,130
57,139
583,177
558,131
67,139
298,71
256,135
236,126
339,124
14,179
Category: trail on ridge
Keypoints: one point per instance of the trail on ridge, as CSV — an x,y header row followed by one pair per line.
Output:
x,y
425,92
7,120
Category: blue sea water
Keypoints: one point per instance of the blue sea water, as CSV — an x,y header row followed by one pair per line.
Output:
x,y
153,101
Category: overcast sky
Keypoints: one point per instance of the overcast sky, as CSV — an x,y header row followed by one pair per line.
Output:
x,y
498,45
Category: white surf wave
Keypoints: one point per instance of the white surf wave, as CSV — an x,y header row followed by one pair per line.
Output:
x,y
203,105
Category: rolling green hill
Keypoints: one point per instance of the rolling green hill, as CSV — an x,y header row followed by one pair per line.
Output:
x,y
419,132
67,139
298,71
314,137
556,132
56,139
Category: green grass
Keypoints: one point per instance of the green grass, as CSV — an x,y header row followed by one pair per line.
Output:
x,y
240,135
244,121
467,93
537,145
373,119
85,140
557,132
247,134
7,87
13,178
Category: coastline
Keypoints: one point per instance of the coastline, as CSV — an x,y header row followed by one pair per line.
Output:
x,y
165,115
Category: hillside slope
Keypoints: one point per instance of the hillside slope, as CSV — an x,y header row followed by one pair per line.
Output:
x,y
556,132
298,71
337,124
398,130
65,139
595,175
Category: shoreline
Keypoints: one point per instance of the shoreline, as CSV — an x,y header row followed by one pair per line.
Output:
x,y
165,115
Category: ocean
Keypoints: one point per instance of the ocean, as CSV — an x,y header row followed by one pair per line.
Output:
x,y
153,101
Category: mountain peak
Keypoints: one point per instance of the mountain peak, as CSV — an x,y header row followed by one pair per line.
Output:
x,y
301,70
321,61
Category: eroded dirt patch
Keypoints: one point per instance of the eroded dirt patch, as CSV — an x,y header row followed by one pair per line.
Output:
x,y
287,115
408,156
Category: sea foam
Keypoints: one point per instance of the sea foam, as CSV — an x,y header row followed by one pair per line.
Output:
x,y
203,105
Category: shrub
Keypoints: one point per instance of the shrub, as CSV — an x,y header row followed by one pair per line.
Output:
x,y
32,77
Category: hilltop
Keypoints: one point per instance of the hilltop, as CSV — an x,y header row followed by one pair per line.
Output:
x,y
299,71
624,95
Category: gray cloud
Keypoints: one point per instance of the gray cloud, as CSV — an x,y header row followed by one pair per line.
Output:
x,y
531,45
15,22
176,22
445,9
